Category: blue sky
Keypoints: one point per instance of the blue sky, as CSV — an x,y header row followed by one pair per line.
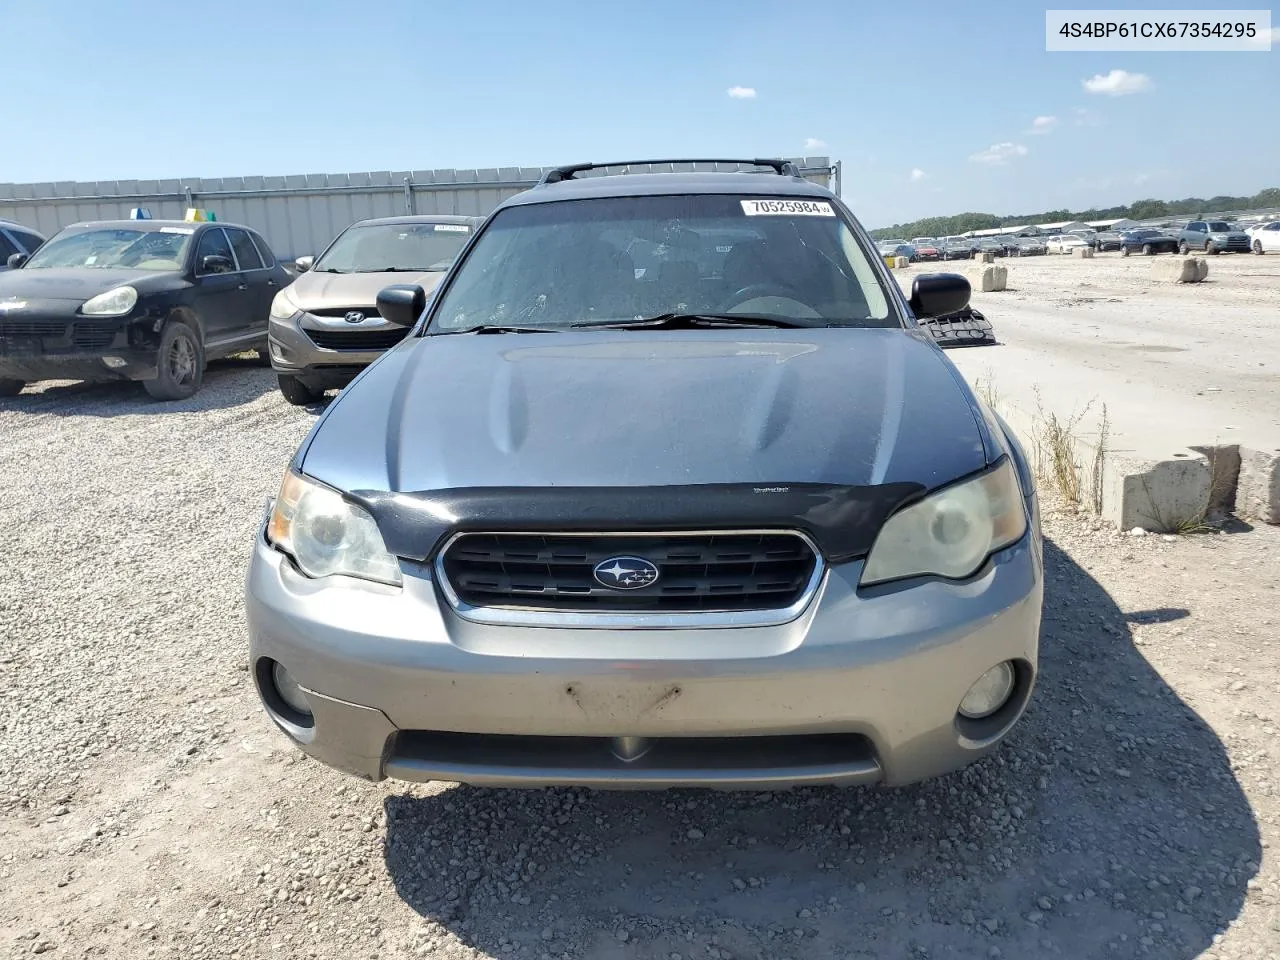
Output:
x,y
136,90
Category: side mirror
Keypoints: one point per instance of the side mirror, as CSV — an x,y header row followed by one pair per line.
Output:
x,y
938,294
303,264
402,303
16,260
216,263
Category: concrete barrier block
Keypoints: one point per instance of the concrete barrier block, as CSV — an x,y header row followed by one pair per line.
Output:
x,y
989,279
1082,253
1157,495
1258,488
1224,465
901,263
1179,269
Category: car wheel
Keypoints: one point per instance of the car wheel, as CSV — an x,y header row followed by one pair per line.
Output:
x,y
1183,248
1210,248
1257,248
298,392
1148,250
179,364
11,388
1124,251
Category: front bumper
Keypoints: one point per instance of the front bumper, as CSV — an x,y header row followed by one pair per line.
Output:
x,y
75,348
860,688
296,354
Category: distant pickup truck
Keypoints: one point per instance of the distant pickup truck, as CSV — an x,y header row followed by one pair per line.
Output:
x,y
1212,236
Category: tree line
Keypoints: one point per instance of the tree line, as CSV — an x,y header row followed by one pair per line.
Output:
x,y
1138,210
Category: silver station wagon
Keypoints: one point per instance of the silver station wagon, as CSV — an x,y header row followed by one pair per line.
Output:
x,y
664,487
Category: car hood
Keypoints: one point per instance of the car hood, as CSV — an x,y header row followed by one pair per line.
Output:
x,y
319,291
1229,234
642,408
73,284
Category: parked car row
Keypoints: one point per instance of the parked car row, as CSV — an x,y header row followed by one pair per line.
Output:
x,y
155,300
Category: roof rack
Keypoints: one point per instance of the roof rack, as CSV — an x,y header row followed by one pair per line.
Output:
x,y
784,168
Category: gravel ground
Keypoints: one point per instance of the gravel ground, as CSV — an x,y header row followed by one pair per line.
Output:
x,y
1078,332
148,808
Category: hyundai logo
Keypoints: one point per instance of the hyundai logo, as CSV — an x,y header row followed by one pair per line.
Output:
x,y
354,316
625,573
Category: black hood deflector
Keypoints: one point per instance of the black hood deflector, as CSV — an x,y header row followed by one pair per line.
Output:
x,y
842,521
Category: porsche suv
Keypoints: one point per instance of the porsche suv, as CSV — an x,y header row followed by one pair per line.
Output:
x,y
325,326
665,486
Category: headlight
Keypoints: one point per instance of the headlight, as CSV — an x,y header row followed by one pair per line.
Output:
x,y
952,532
283,307
113,303
327,535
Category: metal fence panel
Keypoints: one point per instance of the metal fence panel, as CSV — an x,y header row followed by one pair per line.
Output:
x,y
302,213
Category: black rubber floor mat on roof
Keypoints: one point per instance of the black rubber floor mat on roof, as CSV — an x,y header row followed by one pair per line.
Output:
x,y
965,328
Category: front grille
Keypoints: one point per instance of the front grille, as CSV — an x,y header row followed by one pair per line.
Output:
x,y
18,327
381,338
370,313
697,572
92,338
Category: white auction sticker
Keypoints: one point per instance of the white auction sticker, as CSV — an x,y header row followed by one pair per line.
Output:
x,y
787,208
185,230
452,228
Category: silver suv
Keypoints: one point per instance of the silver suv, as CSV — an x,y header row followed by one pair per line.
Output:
x,y
325,327
17,240
665,487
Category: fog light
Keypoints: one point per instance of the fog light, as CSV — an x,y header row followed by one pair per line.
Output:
x,y
990,693
115,363
277,353
289,690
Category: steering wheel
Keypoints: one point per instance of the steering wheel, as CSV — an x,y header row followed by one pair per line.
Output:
x,y
758,291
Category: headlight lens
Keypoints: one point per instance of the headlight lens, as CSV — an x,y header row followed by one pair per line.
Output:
x,y
113,303
327,535
952,532
283,307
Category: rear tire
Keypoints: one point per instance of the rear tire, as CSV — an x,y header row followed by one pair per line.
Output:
x,y
298,392
11,388
1148,249
179,364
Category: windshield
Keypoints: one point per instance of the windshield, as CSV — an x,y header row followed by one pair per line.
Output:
x,y
623,258
1217,226
394,246
163,249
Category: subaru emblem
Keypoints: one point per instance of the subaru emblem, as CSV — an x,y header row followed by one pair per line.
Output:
x,y
625,573
354,316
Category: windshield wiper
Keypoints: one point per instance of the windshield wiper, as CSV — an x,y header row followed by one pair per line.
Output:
x,y
501,328
328,270
688,321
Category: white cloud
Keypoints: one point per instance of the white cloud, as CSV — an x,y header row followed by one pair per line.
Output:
x,y
1043,125
1268,38
917,174
813,143
999,154
742,93
1118,83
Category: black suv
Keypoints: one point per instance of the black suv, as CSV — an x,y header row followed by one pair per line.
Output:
x,y
148,300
